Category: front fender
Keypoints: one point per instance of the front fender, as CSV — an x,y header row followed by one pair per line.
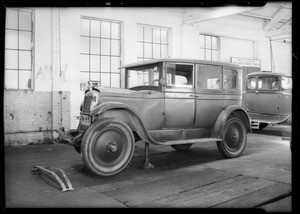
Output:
x,y
126,114
233,110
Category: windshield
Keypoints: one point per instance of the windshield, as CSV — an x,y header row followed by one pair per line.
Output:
x,y
286,83
143,76
267,83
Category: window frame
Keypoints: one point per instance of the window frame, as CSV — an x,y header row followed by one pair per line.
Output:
x,y
160,74
264,90
210,48
210,90
237,82
251,89
170,87
32,50
152,43
99,55
268,90
281,81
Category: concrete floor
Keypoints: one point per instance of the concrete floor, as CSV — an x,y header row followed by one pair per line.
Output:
x,y
199,177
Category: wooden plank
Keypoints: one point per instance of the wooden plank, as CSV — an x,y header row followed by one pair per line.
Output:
x,y
147,193
210,195
254,199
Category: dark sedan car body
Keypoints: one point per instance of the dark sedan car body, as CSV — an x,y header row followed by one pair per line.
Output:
x,y
268,98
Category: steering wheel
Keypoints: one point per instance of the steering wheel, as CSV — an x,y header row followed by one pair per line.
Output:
x,y
154,82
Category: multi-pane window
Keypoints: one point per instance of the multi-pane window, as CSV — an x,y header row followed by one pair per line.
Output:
x,y
153,42
18,49
208,47
100,52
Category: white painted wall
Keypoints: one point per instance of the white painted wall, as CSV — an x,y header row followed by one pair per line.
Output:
x,y
239,37
282,53
232,47
42,49
130,18
57,47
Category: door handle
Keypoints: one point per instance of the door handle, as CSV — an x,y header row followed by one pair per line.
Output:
x,y
194,95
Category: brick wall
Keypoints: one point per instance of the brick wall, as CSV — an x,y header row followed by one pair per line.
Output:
x,y
28,116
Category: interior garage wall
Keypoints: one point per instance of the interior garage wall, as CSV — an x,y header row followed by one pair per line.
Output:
x,y
232,47
31,115
130,18
282,54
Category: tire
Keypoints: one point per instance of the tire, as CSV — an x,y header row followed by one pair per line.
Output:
x,y
234,138
182,147
107,146
262,125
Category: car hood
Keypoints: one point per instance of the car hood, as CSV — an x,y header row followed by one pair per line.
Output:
x,y
119,92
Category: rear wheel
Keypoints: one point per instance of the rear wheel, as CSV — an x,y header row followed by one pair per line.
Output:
x,y
182,147
234,138
107,146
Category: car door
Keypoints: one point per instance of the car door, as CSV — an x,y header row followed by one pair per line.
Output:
x,y
285,97
179,96
208,95
266,101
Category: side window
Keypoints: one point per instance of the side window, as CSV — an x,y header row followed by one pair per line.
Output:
x,y
229,79
209,77
179,75
268,83
251,83
286,83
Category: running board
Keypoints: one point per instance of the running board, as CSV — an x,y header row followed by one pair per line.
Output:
x,y
63,180
201,140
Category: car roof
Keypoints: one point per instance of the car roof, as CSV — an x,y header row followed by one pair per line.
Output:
x,y
267,73
180,60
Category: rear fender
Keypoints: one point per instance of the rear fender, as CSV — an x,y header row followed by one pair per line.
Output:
x,y
126,114
233,110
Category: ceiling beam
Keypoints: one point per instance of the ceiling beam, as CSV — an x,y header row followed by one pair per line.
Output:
x,y
259,16
225,11
278,16
278,32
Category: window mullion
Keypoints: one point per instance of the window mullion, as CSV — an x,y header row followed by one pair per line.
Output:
x,y
18,27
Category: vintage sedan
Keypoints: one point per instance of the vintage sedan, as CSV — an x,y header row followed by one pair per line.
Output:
x,y
166,102
268,99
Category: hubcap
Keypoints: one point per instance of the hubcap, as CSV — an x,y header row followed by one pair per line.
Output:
x,y
233,138
111,147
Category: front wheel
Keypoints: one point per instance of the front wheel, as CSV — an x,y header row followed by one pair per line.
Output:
x,y
107,146
234,138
